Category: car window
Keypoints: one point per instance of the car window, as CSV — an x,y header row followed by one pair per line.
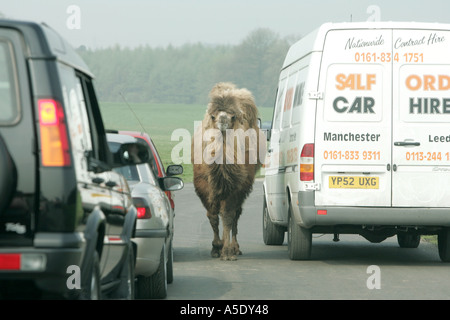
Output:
x,y
140,172
77,119
279,105
151,161
129,172
147,174
8,89
86,129
75,102
83,119
87,96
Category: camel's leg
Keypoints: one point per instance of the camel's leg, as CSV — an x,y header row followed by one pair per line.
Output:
x,y
234,231
217,244
227,222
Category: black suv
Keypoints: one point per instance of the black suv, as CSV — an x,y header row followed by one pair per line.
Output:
x,y
66,218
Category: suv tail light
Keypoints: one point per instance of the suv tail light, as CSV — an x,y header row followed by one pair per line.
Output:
x,y
10,261
307,163
143,209
53,129
22,261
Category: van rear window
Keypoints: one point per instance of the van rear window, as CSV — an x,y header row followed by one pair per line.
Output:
x,y
8,90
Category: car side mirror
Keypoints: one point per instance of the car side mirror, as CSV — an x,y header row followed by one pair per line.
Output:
x,y
171,183
174,170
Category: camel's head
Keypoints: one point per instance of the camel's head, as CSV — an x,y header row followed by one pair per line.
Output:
x,y
223,120
224,112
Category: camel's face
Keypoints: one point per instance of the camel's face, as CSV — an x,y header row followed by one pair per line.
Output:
x,y
223,120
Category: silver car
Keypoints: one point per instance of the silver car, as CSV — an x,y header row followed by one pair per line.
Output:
x,y
155,223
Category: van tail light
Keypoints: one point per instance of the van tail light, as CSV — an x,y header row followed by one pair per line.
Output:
x,y
143,209
54,139
307,163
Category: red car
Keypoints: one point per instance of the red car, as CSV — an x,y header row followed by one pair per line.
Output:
x,y
157,167
151,189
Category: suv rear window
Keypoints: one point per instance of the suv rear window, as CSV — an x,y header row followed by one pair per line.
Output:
x,y
8,90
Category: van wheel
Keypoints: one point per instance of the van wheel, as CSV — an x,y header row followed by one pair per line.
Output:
x,y
299,240
408,240
444,245
272,234
154,286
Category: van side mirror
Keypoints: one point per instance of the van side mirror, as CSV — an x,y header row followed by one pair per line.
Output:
x,y
266,128
268,133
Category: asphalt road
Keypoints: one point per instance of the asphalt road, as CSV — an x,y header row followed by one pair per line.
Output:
x,y
337,270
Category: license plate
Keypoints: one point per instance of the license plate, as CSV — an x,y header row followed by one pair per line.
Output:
x,y
354,182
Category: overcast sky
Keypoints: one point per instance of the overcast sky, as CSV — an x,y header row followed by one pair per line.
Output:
x,y
130,23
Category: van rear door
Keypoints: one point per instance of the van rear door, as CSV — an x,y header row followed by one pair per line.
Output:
x,y
354,119
382,133
421,130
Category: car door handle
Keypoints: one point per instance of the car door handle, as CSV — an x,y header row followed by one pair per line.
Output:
x,y
406,143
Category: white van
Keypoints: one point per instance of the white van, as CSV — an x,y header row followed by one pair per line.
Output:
x,y
360,139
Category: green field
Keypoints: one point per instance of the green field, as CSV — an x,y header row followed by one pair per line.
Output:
x,y
160,121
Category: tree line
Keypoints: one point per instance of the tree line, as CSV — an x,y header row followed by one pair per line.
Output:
x,y
187,73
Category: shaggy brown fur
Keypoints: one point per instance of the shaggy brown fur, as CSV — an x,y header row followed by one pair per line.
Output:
x,y
225,183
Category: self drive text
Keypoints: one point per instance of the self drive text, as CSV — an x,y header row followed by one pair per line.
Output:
x,y
354,82
432,83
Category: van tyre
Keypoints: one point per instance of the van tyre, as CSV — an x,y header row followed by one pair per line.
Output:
x,y
408,240
272,234
444,244
154,286
299,240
